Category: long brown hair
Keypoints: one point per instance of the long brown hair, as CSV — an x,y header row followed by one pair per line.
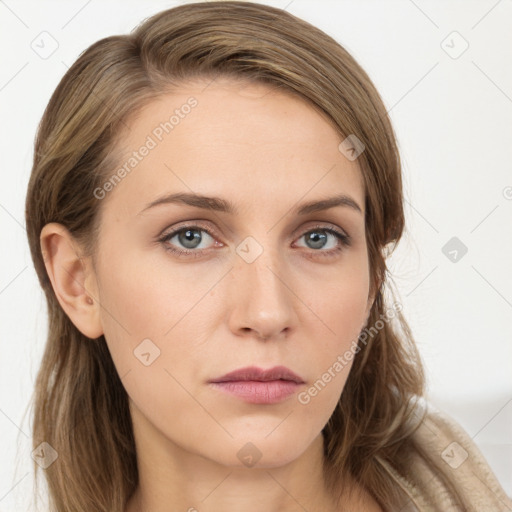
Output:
x,y
80,405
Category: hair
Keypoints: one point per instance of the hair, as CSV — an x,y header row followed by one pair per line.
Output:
x,y
80,405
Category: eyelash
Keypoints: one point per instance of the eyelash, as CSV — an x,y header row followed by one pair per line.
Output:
x,y
345,241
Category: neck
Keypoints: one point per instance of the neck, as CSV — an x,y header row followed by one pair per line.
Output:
x,y
172,478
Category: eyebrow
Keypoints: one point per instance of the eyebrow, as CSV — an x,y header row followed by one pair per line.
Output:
x,y
218,204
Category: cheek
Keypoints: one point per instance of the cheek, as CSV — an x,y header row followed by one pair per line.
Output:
x,y
139,298
318,400
147,322
340,306
340,312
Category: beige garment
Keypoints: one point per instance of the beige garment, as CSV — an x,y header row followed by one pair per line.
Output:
x,y
468,470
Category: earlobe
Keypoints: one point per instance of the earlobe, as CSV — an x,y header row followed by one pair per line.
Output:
x,y
68,271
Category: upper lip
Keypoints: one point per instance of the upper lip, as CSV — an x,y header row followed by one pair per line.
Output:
x,y
258,374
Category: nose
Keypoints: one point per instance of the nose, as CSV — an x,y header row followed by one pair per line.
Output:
x,y
263,302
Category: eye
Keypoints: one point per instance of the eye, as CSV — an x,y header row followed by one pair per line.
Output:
x,y
317,238
190,238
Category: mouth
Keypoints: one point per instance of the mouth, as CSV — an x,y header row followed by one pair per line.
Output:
x,y
258,386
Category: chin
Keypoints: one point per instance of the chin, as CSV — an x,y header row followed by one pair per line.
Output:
x,y
258,451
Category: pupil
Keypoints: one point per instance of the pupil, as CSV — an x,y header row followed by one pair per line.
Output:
x,y
317,239
189,236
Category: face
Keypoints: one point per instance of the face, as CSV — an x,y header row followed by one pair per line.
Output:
x,y
189,294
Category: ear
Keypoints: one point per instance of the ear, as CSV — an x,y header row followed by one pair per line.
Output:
x,y
72,278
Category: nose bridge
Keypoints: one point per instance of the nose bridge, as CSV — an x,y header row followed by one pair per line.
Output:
x,y
264,272
260,265
262,299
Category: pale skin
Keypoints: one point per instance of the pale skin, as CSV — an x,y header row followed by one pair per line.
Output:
x,y
268,153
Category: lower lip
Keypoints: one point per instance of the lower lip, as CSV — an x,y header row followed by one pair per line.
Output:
x,y
257,392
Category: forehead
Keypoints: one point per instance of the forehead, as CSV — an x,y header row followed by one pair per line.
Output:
x,y
245,140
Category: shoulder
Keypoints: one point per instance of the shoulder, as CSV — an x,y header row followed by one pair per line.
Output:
x,y
446,462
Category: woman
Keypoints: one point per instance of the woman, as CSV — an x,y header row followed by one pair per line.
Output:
x,y
211,205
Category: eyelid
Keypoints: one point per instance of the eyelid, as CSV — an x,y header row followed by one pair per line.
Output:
x,y
181,226
300,230
320,224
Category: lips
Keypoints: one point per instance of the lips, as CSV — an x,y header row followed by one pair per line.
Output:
x,y
256,386
253,373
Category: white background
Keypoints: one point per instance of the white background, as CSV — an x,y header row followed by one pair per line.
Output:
x,y
453,119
